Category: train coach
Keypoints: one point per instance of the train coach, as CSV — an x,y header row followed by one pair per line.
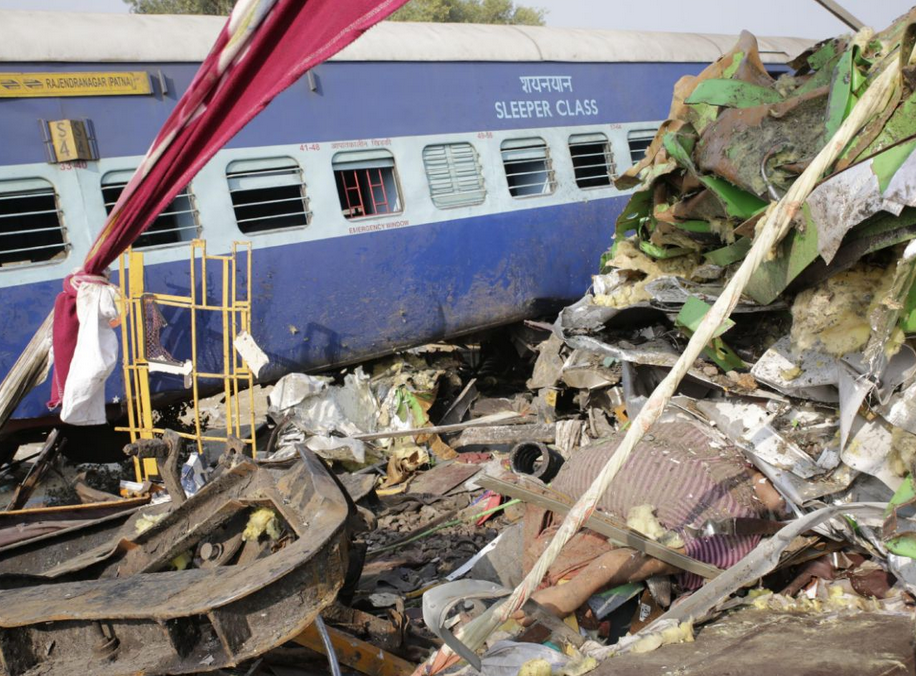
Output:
x,y
429,181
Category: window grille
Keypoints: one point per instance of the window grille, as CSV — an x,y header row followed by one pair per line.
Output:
x,y
178,222
639,140
529,170
367,183
592,160
31,226
268,194
454,175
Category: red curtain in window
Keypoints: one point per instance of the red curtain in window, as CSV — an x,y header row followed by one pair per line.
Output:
x,y
265,47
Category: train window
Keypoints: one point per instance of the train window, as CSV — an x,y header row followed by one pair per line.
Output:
x,y
268,194
367,183
639,140
592,160
454,175
529,169
31,227
178,222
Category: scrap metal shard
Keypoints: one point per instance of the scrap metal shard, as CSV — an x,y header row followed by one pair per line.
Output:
x,y
749,147
140,621
884,182
742,63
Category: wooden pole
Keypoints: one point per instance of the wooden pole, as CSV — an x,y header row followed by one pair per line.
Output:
x,y
29,370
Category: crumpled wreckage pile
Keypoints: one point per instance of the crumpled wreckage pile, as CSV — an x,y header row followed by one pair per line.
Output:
x,y
784,456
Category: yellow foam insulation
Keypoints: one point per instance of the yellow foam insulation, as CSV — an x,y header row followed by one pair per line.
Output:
x,y
792,373
834,316
642,519
538,667
837,599
682,633
182,561
903,451
147,521
262,521
629,257
579,666
894,342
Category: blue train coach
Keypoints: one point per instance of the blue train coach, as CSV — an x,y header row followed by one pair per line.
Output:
x,y
429,181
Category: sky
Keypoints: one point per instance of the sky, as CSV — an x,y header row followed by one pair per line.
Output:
x,y
797,18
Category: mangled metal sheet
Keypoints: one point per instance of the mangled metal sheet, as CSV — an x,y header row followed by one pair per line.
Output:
x,y
809,374
757,148
861,191
143,618
870,450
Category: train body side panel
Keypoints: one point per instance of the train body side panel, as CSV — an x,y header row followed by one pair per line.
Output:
x,y
331,296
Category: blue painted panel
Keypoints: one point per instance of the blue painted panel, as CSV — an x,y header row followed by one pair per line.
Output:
x,y
363,100
349,298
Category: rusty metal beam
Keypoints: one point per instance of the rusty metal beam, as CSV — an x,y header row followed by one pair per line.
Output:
x,y
841,13
356,653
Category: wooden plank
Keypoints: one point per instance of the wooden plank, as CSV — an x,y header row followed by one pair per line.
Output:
x,y
504,418
769,643
30,369
24,490
507,435
357,654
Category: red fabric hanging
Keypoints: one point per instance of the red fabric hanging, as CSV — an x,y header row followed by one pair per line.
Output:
x,y
265,46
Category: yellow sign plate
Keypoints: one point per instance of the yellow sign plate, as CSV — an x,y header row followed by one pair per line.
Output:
x,y
70,140
35,85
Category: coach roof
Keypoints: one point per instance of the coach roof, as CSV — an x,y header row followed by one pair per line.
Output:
x,y
83,37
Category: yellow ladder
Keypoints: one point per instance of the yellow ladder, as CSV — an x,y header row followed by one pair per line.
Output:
x,y
233,302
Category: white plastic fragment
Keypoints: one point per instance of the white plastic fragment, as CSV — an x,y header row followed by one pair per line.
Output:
x,y
251,352
325,416
869,449
193,475
506,658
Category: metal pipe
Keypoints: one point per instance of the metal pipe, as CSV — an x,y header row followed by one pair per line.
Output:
x,y
328,648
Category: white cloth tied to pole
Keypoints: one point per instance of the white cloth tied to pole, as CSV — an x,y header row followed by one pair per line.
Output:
x,y
96,351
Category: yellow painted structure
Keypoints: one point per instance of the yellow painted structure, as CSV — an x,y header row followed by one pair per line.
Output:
x,y
231,300
70,140
77,83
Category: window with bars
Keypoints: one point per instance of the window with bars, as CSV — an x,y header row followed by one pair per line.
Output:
x,y
592,160
454,175
268,194
367,183
639,140
529,170
178,222
31,227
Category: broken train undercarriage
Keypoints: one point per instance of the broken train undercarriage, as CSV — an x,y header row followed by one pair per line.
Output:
x,y
106,600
